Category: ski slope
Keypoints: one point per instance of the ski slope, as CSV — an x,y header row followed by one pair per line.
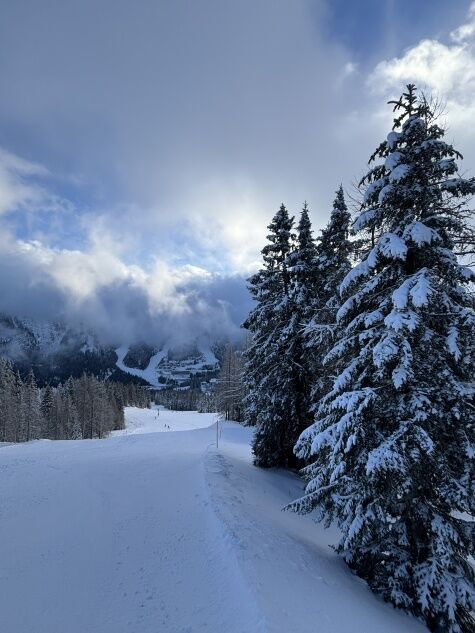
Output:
x,y
160,420
161,367
155,530
149,373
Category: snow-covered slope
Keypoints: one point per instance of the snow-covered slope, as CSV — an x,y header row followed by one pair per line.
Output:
x,y
161,420
23,337
56,351
171,365
150,373
53,350
162,532
298,582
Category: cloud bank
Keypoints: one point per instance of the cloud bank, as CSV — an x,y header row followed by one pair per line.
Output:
x,y
147,145
120,303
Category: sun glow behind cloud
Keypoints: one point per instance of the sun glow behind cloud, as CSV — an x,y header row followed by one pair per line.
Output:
x,y
174,158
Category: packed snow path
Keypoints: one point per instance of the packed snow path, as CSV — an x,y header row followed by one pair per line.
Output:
x,y
149,532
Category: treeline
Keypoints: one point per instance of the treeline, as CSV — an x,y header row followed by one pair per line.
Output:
x,y
225,395
81,408
361,370
70,363
186,399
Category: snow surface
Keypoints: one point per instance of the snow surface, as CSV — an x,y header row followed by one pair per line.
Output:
x,y
161,420
149,373
154,532
160,366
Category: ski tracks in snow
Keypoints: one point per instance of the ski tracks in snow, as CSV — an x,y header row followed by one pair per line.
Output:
x,y
163,533
116,536
299,583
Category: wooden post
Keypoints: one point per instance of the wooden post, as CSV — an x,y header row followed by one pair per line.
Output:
x,y
217,422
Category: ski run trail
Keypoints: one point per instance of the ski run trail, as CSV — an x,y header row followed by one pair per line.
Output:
x,y
162,532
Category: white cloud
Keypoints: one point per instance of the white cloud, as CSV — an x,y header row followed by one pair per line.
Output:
x,y
81,275
200,121
227,220
445,69
120,302
100,285
465,31
198,136
16,190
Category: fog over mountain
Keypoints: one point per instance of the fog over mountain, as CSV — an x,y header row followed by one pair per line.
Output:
x,y
140,167
129,307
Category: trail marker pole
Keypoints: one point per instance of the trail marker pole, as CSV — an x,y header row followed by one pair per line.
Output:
x,y
217,422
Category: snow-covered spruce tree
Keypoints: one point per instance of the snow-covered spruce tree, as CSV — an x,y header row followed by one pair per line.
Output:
x,y
271,403
32,408
394,441
48,412
334,251
303,268
304,284
8,414
18,419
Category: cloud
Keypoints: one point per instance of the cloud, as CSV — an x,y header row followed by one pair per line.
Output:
x,y
465,31
16,190
446,69
120,303
161,137
95,287
188,122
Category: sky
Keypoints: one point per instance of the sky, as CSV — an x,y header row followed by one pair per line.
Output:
x,y
145,146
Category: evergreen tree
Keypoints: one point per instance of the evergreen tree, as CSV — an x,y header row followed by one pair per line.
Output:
x,y
303,264
269,372
79,390
73,428
61,413
304,275
393,446
68,427
17,417
32,408
277,373
48,412
7,408
334,253
333,262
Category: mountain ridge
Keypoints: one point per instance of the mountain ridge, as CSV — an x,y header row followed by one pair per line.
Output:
x,y
56,351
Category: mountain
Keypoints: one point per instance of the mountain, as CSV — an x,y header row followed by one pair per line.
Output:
x,y
183,366
53,350
56,351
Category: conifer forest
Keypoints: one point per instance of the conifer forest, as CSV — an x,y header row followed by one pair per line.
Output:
x,y
361,369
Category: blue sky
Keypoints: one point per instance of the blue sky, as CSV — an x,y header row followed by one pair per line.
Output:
x,y
375,29
145,146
